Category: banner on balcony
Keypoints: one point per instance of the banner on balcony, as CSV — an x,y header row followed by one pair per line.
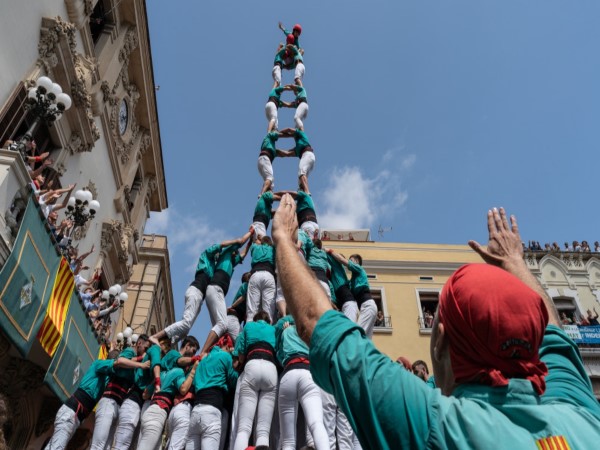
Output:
x,y
590,334
76,351
26,281
54,322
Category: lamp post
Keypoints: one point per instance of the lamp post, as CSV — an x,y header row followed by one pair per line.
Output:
x,y
47,102
82,207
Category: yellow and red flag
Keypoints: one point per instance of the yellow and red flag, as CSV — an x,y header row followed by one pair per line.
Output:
x,y
553,443
103,352
54,323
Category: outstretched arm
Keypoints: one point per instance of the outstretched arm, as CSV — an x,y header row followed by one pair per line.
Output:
x,y
339,258
505,250
280,194
304,295
187,384
66,200
244,252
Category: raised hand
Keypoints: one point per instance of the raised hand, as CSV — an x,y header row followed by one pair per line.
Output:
x,y
285,222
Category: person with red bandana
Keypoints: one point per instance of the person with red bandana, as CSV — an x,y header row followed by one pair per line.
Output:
x,y
296,32
510,377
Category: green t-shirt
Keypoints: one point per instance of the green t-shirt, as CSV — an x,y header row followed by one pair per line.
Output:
x,y
264,205
126,374
289,344
300,93
317,259
228,259
296,38
359,281
301,140
253,333
262,253
94,381
304,201
169,361
338,273
306,243
409,414
215,370
282,57
268,143
276,93
144,377
170,381
241,292
206,262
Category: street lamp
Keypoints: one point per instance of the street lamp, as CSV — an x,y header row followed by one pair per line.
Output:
x,y
82,207
47,102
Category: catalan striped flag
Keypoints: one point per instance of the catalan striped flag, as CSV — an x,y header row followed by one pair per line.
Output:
x,y
56,314
553,443
103,352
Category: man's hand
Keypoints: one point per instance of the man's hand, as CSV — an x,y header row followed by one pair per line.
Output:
x,y
145,365
285,222
504,246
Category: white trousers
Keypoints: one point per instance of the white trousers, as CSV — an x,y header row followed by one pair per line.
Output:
x,y
65,425
350,310
129,417
265,168
259,227
296,386
153,422
299,71
337,425
306,164
205,428
300,115
259,388
261,295
325,287
233,327
276,73
215,301
311,228
234,412
367,317
271,113
107,413
178,424
193,304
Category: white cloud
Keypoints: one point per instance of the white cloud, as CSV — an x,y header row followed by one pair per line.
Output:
x,y
355,200
186,234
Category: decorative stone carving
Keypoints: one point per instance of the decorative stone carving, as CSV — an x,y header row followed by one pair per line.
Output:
x,y
152,184
130,43
145,142
79,10
75,144
123,152
53,30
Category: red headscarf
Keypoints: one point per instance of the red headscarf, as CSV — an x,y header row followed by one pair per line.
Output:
x,y
290,39
225,340
495,325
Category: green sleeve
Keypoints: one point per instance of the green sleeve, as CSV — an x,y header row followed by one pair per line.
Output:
x,y
154,356
387,406
104,366
232,377
286,32
169,361
355,268
567,381
127,353
213,250
238,260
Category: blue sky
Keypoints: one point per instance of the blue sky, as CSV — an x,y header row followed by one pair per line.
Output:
x,y
423,115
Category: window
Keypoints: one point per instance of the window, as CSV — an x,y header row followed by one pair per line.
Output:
x,y
382,320
427,301
567,311
14,113
97,21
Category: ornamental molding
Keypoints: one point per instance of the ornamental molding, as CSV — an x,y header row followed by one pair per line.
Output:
x,y
130,43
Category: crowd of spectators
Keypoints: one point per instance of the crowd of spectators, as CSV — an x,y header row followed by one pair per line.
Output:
x,y
98,307
575,246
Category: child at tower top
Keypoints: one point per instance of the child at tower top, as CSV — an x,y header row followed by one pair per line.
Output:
x,y
288,57
296,32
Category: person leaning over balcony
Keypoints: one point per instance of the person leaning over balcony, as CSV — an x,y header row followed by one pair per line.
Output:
x,y
121,380
173,381
229,257
195,294
82,402
48,200
135,403
214,378
509,376
364,307
591,318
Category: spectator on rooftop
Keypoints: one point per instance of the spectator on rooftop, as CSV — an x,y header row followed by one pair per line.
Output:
x,y
597,246
576,246
555,247
585,247
568,248
548,247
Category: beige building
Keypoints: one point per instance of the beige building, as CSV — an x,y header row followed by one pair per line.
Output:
x,y
150,304
406,280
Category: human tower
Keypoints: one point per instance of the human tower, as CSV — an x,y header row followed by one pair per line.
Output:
x,y
241,372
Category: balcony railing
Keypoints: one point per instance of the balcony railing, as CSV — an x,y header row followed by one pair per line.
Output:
x,y
47,328
385,322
